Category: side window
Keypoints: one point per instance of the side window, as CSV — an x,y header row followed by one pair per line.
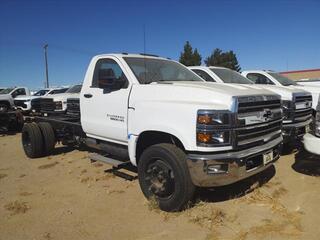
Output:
x,y
108,75
18,92
259,78
203,75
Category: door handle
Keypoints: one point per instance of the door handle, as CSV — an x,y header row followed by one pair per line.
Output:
x,y
87,95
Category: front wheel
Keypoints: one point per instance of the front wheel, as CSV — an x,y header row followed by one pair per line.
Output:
x,y
163,174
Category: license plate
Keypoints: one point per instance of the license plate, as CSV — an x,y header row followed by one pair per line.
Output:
x,y
267,157
307,128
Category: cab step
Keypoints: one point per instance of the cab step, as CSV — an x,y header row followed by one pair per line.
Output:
x,y
108,160
116,166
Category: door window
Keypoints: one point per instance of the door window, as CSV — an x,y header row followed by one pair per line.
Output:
x,y
18,92
203,75
258,78
108,74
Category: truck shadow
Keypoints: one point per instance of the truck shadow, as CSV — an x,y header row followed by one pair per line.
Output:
x,y
236,190
306,163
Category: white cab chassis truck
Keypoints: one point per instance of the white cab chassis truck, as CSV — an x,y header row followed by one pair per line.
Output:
x,y
296,102
178,130
312,140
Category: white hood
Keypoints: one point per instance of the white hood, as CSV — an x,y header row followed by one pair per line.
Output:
x,y
286,93
200,94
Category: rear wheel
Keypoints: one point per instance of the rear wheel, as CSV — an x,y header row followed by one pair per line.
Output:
x,y
32,140
164,175
49,139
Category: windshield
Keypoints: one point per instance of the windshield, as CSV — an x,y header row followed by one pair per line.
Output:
x,y
56,91
282,79
148,70
41,93
74,89
230,76
6,91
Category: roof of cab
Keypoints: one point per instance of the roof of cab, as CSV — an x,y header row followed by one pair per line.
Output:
x,y
135,55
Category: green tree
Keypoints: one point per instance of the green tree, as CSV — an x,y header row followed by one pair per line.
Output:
x,y
190,57
226,59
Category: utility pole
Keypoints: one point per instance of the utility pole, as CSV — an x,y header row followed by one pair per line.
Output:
x,y
45,47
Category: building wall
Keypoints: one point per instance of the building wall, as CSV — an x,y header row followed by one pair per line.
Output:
x,y
302,74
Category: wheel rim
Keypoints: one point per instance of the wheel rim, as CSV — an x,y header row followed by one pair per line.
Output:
x,y
26,141
160,178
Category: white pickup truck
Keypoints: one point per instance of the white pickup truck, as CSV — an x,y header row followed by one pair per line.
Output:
x,y
180,131
23,103
296,102
312,140
8,95
57,103
274,78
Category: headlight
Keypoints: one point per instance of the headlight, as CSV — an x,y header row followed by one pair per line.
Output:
x,y
27,100
213,128
216,118
213,138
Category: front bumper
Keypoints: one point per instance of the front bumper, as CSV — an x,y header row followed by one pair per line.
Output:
x,y
239,165
311,143
294,132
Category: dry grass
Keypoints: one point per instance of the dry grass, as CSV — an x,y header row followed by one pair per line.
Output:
x,y
3,175
49,165
97,164
17,207
24,194
279,192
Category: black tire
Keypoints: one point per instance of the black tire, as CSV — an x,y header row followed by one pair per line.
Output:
x,y
49,139
173,188
32,140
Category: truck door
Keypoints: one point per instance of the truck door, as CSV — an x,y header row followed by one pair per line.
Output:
x,y
104,103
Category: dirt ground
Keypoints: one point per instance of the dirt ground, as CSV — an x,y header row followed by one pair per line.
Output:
x,y
65,196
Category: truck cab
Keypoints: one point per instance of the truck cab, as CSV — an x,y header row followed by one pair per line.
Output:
x,y
296,103
178,130
8,95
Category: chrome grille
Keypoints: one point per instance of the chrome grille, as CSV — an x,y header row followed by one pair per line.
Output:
x,y
35,104
259,120
302,108
47,105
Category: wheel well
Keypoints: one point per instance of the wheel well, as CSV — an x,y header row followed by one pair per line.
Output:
x,y
149,138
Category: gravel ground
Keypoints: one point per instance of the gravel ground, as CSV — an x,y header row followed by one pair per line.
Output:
x,y
65,196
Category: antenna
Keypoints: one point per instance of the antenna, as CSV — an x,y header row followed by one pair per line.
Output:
x,y
144,51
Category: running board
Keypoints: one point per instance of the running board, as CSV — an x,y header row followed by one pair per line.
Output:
x,y
116,166
111,161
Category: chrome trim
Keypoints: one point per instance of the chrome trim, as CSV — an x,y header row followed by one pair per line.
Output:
x,y
237,154
265,138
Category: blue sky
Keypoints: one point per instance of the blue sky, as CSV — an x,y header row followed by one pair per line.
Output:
x,y
276,35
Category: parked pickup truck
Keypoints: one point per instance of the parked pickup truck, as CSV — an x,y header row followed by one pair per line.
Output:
x,y
296,103
180,131
23,103
57,104
8,95
274,78
312,140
